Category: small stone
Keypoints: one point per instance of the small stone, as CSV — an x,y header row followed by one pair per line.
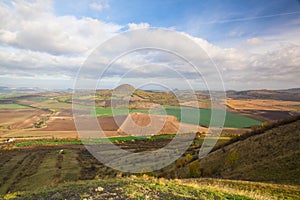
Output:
x,y
99,189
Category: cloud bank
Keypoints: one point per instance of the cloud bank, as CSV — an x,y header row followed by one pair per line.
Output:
x,y
35,41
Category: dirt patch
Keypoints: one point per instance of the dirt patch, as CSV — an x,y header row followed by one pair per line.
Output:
x,y
21,118
67,123
269,114
146,124
65,113
59,124
111,123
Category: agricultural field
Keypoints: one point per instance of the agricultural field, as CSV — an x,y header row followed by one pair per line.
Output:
x,y
20,118
100,111
232,120
47,115
42,127
64,169
12,106
54,118
264,109
263,104
39,161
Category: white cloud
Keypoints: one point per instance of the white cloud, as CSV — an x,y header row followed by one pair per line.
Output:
x,y
31,63
42,43
99,5
133,26
254,41
43,31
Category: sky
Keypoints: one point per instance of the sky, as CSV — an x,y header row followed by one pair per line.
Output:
x,y
253,44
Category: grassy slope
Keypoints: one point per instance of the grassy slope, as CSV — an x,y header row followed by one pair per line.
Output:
x,y
152,188
273,156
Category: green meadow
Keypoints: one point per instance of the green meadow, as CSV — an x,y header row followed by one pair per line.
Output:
x,y
201,116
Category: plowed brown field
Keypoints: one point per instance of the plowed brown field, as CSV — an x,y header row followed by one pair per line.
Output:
x,y
21,118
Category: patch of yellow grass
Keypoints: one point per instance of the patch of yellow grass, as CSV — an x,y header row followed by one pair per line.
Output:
x,y
263,104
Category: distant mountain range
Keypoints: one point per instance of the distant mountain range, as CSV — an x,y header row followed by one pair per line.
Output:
x,y
4,89
292,94
20,89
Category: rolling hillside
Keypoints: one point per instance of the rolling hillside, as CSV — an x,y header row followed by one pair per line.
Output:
x,y
145,187
269,156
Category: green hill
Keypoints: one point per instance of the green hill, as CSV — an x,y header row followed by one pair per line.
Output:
x,y
271,155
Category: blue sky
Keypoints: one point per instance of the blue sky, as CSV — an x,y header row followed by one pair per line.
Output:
x,y
213,20
44,42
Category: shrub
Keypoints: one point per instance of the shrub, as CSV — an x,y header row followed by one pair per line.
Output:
x,y
195,169
232,159
180,163
188,157
265,124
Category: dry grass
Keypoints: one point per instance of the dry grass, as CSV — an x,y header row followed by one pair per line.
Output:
x,y
152,188
255,190
263,104
271,156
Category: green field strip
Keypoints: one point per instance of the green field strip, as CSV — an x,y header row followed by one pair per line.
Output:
x,y
13,168
44,174
46,142
29,167
13,106
70,166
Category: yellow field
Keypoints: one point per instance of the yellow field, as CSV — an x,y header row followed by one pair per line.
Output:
x,y
263,104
